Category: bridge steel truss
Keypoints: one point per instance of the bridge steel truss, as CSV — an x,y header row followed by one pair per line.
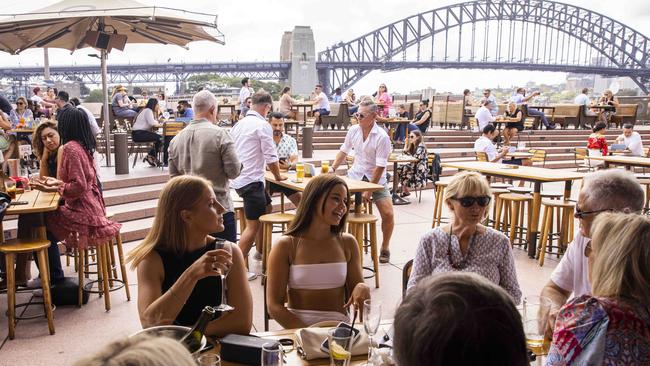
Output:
x,y
523,34
128,74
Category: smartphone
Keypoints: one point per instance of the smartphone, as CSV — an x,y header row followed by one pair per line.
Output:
x,y
341,327
16,203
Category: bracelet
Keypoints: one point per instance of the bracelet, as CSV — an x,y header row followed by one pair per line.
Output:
x,y
176,298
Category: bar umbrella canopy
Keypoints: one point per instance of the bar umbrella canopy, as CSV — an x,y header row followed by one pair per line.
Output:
x,y
104,24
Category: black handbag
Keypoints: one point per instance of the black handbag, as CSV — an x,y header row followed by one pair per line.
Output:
x,y
244,349
66,292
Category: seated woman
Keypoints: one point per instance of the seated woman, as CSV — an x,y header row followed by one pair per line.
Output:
x,y
514,119
286,104
315,266
597,144
423,116
351,100
465,245
178,263
7,141
384,99
21,114
458,319
122,105
403,128
414,174
607,99
611,326
81,220
142,132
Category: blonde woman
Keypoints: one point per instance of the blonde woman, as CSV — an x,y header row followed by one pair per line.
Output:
x,y
141,350
178,263
286,104
611,326
465,245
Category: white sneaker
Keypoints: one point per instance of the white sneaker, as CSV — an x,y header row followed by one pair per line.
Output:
x,y
38,293
257,256
34,283
251,276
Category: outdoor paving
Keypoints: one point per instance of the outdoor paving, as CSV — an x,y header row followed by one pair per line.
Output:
x,y
83,331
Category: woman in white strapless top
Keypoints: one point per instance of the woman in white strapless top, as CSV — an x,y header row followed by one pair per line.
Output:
x,y
315,266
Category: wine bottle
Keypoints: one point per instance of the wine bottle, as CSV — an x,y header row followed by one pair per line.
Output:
x,y
192,340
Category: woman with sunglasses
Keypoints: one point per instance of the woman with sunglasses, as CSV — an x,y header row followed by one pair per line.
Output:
x,y
383,98
21,112
414,174
611,326
423,116
465,245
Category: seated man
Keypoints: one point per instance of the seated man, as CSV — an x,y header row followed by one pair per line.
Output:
x,y
287,150
458,319
483,115
322,106
521,98
185,109
605,190
631,139
484,144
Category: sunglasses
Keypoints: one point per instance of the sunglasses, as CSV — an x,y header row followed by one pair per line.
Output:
x,y
482,201
587,250
579,214
412,136
360,115
20,103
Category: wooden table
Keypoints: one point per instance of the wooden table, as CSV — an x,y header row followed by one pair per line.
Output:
x,y
627,161
356,187
292,123
526,173
394,121
397,200
293,358
304,107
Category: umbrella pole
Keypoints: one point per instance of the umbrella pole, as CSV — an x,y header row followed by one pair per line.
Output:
x,y
107,123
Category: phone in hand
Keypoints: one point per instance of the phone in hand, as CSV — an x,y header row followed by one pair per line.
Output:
x,y
341,327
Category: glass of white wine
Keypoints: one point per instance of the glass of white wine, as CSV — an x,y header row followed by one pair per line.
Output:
x,y
223,307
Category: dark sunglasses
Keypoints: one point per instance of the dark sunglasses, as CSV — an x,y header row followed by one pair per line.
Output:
x,y
579,214
482,201
20,103
412,136
360,115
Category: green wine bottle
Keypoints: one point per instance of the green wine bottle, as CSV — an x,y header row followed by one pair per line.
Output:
x,y
192,340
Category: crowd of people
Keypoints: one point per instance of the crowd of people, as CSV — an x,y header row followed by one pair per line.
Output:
x,y
460,304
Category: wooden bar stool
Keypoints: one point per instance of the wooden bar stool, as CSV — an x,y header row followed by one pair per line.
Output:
x,y
240,216
520,190
515,204
437,205
10,249
267,222
496,207
356,224
646,182
564,234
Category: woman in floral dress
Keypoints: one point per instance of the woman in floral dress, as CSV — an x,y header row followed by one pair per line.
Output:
x,y
81,219
414,174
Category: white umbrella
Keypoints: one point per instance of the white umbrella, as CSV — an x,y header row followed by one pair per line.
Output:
x,y
70,24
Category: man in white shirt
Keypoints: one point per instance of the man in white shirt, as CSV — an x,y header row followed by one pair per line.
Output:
x,y
372,148
521,98
631,139
483,115
255,148
322,105
484,144
244,93
605,190
94,127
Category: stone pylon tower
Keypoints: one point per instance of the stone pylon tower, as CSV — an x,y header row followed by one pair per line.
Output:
x,y
299,48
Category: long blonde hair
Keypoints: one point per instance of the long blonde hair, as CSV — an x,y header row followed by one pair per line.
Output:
x,y
621,267
169,231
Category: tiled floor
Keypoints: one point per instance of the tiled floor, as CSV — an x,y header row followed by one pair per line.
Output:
x,y
82,331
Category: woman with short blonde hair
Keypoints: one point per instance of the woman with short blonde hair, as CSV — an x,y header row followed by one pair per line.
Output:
x,y
617,314
178,262
465,245
141,350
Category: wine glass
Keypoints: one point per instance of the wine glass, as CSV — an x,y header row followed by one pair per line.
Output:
x,y
221,244
371,320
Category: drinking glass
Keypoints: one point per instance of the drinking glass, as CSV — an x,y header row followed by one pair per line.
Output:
x,y
300,172
340,345
534,336
221,244
371,320
209,359
325,166
535,318
10,187
272,354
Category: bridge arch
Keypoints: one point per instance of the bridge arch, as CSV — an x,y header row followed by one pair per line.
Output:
x,y
604,45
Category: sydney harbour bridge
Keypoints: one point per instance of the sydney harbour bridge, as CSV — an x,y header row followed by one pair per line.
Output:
x,y
536,35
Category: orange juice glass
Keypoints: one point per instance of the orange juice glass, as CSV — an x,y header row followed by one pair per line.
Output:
x,y
324,166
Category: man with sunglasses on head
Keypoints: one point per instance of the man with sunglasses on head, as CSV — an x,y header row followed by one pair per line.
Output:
x,y
372,148
605,190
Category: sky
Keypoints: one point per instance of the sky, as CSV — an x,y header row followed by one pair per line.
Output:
x,y
253,30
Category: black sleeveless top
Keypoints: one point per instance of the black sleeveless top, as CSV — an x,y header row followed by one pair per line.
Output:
x,y
423,127
514,115
207,291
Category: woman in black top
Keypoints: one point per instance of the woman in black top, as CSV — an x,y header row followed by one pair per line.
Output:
x,y
178,265
423,116
515,122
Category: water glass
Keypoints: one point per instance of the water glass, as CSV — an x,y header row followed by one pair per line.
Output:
x,y
209,359
340,345
272,354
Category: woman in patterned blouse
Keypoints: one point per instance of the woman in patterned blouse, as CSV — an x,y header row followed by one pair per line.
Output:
x,y
611,326
465,245
414,174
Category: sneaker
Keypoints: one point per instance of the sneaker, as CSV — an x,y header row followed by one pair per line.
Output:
x,y
384,256
251,276
257,256
34,283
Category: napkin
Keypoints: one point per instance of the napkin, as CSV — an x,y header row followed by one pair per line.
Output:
x,y
310,339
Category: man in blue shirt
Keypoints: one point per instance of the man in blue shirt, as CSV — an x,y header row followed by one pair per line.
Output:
x,y
521,98
185,109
